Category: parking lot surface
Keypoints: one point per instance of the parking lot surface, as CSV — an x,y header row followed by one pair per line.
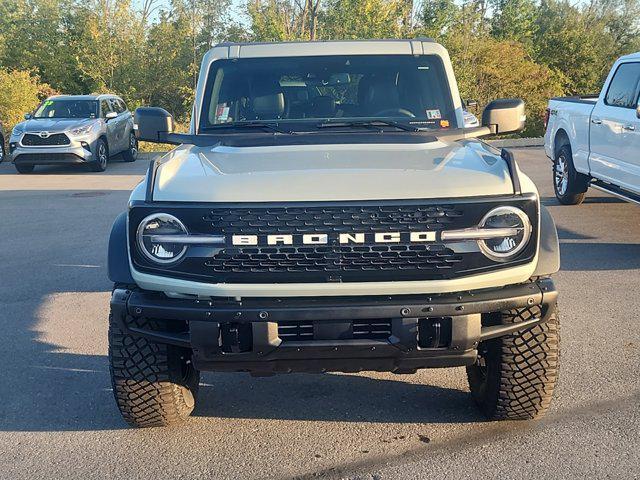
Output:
x,y
58,418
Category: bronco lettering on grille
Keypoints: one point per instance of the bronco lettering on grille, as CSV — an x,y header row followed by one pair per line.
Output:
x,y
335,239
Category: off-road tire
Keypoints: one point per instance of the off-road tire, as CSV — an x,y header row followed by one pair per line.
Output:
x,y
22,168
515,375
154,384
569,185
131,153
101,159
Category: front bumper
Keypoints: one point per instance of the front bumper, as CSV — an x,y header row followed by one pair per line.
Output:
x,y
247,335
78,151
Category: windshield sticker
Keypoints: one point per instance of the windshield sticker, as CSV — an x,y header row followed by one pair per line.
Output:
x,y
433,114
222,112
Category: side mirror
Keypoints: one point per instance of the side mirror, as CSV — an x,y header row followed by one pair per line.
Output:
x,y
504,116
152,124
110,116
28,116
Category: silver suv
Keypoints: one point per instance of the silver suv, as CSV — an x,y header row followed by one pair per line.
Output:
x,y
78,129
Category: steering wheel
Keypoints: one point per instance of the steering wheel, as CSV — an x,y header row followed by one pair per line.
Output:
x,y
395,112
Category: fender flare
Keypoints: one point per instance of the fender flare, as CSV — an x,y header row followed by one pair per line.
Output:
x,y
549,251
118,257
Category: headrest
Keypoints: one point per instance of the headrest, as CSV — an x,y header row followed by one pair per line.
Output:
x,y
267,100
323,106
378,93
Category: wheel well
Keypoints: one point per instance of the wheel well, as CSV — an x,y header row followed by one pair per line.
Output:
x,y
561,139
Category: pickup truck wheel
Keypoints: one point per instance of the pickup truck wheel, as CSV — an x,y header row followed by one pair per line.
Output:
x,y
101,157
568,185
515,375
131,153
154,384
22,168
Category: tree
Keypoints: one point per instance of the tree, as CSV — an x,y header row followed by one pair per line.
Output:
x,y
352,19
20,92
515,20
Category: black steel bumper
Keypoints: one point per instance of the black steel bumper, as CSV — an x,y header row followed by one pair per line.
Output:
x,y
424,331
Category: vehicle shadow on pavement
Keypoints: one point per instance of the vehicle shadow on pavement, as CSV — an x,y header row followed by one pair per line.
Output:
x,y
44,387
116,166
335,397
591,199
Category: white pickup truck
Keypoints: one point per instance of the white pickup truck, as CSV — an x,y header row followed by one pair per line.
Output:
x,y
595,140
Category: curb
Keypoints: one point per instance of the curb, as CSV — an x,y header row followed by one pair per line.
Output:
x,y
517,142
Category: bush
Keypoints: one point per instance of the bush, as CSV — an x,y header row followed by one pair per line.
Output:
x,y
488,69
20,92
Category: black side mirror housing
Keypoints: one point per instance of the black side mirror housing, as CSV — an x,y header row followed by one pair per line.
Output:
x,y
504,116
153,124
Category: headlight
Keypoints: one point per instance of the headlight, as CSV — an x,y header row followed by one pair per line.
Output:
x,y
17,130
154,238
76,132
512,232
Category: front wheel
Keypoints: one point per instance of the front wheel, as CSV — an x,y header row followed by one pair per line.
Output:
x,y
131,154
568,184
514,376
101,157
154,384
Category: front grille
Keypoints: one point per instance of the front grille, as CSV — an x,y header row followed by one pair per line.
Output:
x,y
34,140
336,259
343,219
367,261
305,331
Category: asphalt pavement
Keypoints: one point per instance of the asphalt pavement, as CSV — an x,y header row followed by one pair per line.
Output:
x,y
58,419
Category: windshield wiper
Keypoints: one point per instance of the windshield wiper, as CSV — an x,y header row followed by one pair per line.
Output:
x,y
368,124
273,126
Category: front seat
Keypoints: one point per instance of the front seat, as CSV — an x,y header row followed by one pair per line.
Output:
x,y
377,94
267,100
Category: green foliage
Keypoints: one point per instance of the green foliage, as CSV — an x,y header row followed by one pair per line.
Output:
x,y
20,92
148,51
353,19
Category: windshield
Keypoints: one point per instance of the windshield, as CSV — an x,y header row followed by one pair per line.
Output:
x,y
304,91
67,109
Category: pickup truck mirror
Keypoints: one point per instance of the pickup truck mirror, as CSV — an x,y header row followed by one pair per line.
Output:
x,y
28,116
504,116
110,115
152,124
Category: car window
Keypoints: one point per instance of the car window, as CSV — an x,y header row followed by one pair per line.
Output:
x,y
123,105
115,106
623,90
305,90
66,108
105,107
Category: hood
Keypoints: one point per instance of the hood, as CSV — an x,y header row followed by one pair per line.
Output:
x,y
54,124
296,173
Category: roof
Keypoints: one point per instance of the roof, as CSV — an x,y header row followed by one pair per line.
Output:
x,y
632,56
417,46
311,42
83,97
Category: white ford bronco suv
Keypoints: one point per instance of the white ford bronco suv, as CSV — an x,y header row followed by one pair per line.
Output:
x,y
328,212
